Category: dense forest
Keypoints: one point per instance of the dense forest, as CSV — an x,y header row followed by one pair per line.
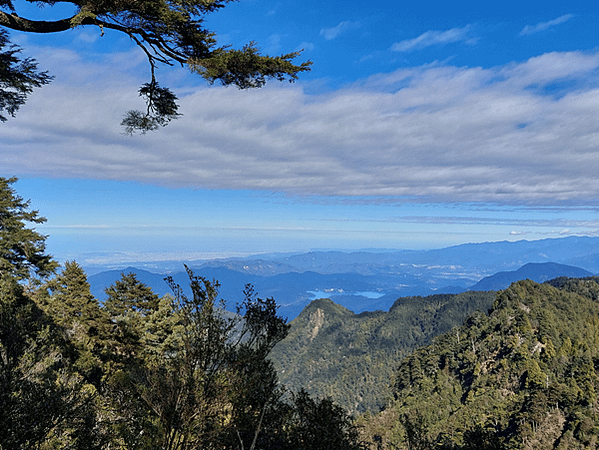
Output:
x,y
515,369
523,376
330,351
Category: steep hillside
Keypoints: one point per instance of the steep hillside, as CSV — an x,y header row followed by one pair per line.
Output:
x,y
522,377
352,357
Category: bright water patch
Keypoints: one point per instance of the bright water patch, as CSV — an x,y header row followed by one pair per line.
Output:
x,y
328,293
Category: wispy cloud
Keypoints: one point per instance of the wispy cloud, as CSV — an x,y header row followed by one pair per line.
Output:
x,y
425,134
532,29
478,220
274,43
332,33
85,226
274,9
435,37
305,46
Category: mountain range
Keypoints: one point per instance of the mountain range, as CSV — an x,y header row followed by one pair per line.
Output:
x,y
488,362
538,272
331,351
373,280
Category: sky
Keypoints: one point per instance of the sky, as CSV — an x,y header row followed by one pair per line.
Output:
x,y
421,125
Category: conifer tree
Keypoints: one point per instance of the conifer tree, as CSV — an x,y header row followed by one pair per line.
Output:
x,y
44,402
129,294
17,78
128,304
187,375
67,299
22,249
321,425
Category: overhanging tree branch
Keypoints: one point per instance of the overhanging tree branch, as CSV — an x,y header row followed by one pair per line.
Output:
x,y
168,33
17,23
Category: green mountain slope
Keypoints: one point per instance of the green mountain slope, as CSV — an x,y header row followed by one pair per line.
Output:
x,y
523,377
352,358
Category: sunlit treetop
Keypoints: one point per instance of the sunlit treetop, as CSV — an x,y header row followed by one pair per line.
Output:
x,y
169,33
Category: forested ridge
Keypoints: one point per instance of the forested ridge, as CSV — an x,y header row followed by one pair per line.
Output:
x,y
523,376
330,351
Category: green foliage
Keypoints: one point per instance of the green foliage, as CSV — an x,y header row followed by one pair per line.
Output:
x,y
43,400
416,431
321,425
246,68
189,374
22,249
17,77
521,377
167,32
68,300
141,372
330,351
214,383
161,108
128,295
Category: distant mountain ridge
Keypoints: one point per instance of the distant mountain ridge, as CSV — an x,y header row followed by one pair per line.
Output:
x,y
477,260
486,258
388,275
538,272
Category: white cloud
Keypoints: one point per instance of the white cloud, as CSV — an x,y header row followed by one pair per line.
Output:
x,y
88,36
305,46
435,37
274,9
84,226
532,29
274,44
432,133
332,33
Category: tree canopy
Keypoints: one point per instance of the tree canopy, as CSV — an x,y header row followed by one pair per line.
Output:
x,y
523,376
168,32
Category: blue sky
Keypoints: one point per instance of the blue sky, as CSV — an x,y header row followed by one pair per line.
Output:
x,y
421,125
